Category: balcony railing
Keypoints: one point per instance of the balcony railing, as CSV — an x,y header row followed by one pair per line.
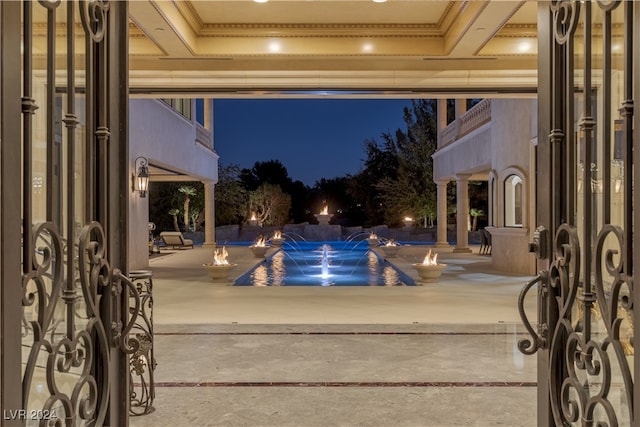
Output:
x,y
449,134
475,117
466,123
203,136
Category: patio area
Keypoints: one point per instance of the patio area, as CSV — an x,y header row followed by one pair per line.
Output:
x,y
442,354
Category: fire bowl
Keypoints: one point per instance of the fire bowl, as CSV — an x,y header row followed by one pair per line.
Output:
x,y
373,242
259,251
277,241
390,251
429,273
323,219
219,272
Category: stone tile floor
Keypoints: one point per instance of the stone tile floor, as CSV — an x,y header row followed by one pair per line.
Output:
x,y
444,354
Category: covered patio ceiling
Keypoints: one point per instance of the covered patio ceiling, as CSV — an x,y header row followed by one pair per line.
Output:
x,y
344,48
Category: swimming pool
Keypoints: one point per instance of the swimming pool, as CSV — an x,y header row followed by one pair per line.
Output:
x,y
325,264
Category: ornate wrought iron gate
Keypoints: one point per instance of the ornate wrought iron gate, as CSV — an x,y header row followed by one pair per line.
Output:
x,y
71,158
589,73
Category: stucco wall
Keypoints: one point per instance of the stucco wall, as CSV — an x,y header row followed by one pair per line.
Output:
x,y
513,130
500,148
166,139
470,154
510,250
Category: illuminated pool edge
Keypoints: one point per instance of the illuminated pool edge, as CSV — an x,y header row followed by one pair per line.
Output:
x,y
311,278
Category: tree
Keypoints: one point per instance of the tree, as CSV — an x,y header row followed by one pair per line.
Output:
x,y
335,194
479,199
270,204
175,212
195,218
164,196
274,172
269,172
188,193
299,193
381,163
475,213
412,190
231,197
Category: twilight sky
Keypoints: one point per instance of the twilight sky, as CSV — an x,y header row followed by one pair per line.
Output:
x,y
313,138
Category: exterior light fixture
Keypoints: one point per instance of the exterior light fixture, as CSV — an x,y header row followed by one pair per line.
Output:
x,y
141,177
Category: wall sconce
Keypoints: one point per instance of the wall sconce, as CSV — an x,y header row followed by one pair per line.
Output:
x,y
141,178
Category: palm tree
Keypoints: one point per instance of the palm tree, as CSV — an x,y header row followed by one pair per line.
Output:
x,y
475,213
188,192
174,212
195,214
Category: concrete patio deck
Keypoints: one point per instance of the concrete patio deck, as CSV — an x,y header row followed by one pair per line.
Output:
x,y
442,354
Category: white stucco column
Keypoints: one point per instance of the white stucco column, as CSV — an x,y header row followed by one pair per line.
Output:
x,y
208,114
209,216
462,206
441,119
461,107
441,238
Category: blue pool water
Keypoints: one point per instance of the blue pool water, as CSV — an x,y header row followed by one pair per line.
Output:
x,y
324,264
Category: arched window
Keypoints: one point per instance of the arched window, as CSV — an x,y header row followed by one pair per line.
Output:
x,y
513,201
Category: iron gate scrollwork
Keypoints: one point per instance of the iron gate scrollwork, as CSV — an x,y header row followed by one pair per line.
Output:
x,y
69,345
592,360
75,316
585,299
142,362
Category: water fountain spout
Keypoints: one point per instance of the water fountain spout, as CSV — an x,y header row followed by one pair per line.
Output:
x,y
324,266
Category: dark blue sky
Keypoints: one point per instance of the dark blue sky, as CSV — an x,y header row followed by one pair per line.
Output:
x,y
313,138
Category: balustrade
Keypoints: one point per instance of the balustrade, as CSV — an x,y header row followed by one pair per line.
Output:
x,y
466,123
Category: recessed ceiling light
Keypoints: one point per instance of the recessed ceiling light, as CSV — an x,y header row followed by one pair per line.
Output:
x,y
260,1
379,1
367,47
274,46
524,47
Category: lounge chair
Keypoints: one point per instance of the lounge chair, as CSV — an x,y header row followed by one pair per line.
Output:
x,y
175,239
